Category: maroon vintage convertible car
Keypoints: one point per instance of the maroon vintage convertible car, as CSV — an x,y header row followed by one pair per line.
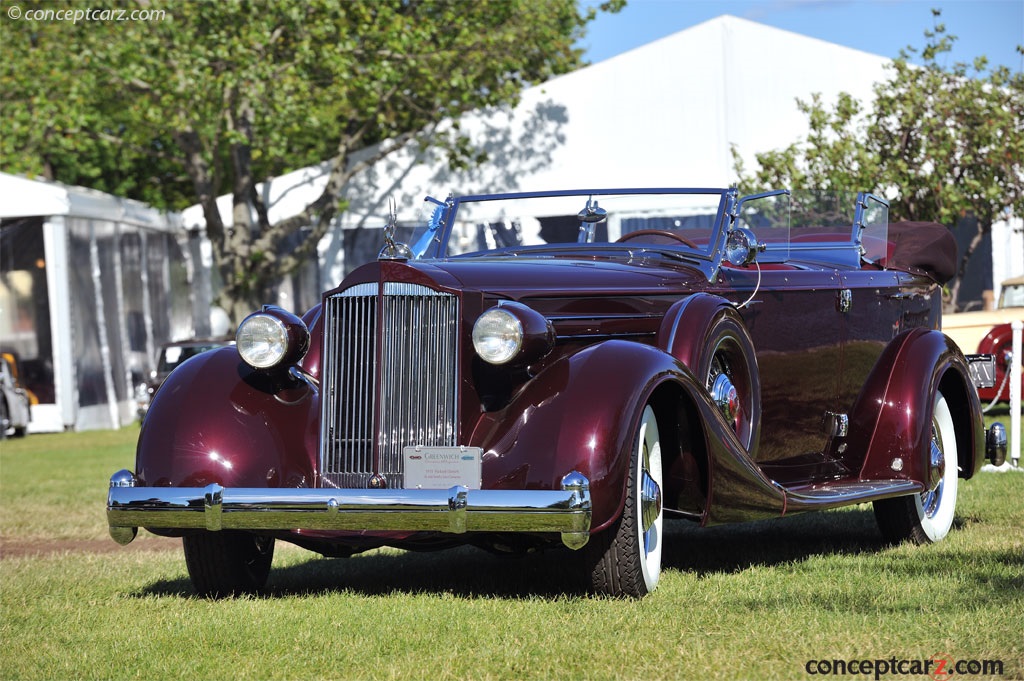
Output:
x,y
551,368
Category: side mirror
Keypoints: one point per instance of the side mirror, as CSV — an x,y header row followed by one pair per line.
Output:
x,y
742,247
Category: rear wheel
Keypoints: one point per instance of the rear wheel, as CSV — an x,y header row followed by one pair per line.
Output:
x,y
228,563
625,559
927,517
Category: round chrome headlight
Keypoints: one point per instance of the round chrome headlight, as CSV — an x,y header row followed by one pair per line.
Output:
x,y
497,336
262,340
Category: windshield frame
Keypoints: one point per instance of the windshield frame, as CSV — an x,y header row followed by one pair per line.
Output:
x,y
436,245
435,240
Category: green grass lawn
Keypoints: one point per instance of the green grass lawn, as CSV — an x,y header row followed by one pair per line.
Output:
x,y
754,601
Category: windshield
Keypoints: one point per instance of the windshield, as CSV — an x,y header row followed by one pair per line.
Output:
x,y
844,228
1012,296
688,220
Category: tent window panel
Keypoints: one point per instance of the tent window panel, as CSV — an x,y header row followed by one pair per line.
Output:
x,y
180,290
106,245
85,317
25,304
159,283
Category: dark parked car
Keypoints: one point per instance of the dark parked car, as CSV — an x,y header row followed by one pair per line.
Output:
x,y
170,356
573,368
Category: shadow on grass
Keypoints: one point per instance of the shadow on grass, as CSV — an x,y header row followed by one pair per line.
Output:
x,y
464,571
471,572
733,548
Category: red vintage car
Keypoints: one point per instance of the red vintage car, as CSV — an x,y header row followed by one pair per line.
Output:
x,y
990,332
573,368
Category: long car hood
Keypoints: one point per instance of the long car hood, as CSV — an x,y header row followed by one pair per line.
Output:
x,y
517,277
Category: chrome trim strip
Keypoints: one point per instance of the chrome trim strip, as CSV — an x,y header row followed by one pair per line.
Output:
x,y
610,336
832,495
456,510
603,317
358,291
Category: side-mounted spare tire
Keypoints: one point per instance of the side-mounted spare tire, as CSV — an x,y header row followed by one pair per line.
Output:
x,y
728,366
707,334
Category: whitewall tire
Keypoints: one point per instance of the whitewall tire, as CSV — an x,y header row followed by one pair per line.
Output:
x,y
927,517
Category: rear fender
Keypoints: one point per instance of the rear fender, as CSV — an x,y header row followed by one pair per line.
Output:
x,y
891,421
216,420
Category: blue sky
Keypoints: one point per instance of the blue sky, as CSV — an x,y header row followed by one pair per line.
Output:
x,y
992,28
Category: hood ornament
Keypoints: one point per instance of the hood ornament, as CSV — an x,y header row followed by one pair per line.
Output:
x,y
393,250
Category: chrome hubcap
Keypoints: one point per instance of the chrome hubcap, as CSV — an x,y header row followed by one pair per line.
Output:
x,y
647,516
650,500
937,469
723,392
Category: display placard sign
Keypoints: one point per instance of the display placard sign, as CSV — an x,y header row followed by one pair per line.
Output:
x,y
442,467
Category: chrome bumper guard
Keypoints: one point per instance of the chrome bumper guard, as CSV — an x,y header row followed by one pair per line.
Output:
x,y
455,510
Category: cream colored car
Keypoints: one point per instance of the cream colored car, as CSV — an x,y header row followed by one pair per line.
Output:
x,y
969,328
988,332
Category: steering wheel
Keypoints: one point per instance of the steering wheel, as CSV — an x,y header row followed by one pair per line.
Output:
x,y
655,232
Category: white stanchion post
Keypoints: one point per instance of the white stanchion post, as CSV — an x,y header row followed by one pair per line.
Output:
x,y
1015,369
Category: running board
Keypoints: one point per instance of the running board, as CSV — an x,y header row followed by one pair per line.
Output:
x,y
820,496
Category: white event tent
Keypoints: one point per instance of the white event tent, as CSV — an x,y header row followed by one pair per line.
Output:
x,y
90,285
664,114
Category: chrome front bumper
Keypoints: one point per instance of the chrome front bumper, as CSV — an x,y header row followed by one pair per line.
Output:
x,y
455,510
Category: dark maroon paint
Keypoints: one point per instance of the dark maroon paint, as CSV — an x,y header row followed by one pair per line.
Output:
x,y
625,332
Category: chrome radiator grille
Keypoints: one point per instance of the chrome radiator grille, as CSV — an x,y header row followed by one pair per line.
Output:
x,y
417,376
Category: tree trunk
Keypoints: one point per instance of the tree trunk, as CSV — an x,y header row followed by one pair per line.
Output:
x,y
205,188
244,271
984,226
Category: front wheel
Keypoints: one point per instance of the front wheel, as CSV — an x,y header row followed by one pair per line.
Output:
x,y
228,563
625,559
927,517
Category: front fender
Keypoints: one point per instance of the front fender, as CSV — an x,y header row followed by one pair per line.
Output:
x,y
216,420
893,414
580,413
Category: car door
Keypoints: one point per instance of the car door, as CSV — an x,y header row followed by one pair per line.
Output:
x,y
879,304
789,301
872,318
797,332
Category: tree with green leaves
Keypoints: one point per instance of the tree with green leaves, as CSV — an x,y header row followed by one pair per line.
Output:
x,y
214,97
941,143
